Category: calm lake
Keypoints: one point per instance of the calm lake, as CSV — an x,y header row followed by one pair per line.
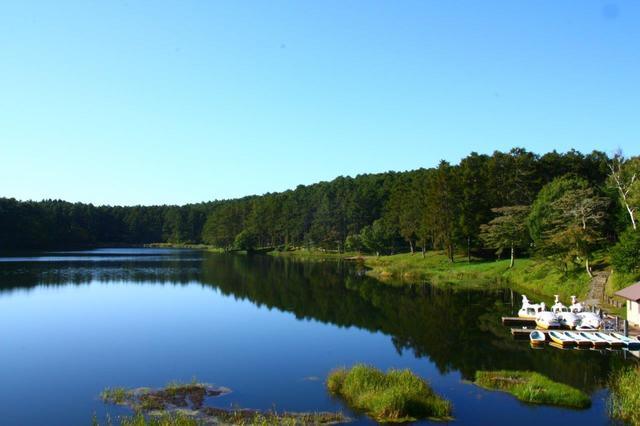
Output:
x,y
73,323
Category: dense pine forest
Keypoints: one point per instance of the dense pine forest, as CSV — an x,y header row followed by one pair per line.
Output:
x,y
562,204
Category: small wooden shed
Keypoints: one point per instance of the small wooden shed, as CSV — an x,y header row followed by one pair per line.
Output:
x,y
632,294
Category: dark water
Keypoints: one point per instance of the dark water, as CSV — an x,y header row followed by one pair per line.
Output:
x,y
73,323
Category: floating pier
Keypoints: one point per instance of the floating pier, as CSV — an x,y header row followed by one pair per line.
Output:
x,y
523,333
518,321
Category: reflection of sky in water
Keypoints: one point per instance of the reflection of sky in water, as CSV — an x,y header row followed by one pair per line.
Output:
x,y
107,255
61,345
87,259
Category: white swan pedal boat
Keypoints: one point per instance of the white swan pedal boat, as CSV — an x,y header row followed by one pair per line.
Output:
x,y
530,310
547,320
564,315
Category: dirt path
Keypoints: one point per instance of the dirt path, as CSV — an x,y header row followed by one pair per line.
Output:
x,y
598,284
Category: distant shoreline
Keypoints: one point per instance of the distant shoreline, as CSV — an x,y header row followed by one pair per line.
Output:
x,y
534,276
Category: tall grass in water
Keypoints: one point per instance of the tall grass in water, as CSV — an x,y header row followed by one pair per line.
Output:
x,y
230,418
532,387
624,396
117,395
171,419
394,396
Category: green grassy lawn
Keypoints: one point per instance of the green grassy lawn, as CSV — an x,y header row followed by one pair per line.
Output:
x,y
394,396
533,388
313,254
186,246
536,276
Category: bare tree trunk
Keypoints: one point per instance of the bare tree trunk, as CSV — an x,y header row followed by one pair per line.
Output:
x,y
633,220
512,256
469,249
623,187
586,262
424,249
411,245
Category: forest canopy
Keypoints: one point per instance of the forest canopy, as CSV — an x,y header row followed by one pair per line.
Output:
x,y
448,207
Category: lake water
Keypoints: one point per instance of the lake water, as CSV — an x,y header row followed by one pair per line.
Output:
x,y
73,323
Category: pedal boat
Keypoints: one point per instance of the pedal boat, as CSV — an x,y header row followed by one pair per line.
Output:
x,y
530,310
580,340
565,317
589,321
613,342
596,341
562,339
631,344
547,320
537,338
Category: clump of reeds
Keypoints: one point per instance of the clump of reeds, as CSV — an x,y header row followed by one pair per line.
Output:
x,y
534,388
624,396
397,395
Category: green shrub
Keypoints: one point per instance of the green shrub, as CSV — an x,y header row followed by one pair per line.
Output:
x,y
625,255
397,395
532,387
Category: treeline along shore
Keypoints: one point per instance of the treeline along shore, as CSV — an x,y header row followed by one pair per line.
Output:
x,y
571,208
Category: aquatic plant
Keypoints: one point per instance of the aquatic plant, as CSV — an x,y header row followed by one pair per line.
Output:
x,y
268,418
532,387
139,419
174,395
117,395
624,398
182,404
397,395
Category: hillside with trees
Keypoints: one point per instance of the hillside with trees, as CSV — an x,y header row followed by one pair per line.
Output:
x,y
564,206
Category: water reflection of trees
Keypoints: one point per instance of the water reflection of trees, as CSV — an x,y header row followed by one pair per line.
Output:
x,y
457,330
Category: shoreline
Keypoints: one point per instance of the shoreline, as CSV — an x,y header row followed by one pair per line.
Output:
x,y
537,277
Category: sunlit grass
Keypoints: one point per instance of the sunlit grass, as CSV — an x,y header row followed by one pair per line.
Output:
x,y
532,387
624,396
117,395
535,275
139,419
394,396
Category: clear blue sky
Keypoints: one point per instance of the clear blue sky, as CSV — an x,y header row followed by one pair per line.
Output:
x,y
142,102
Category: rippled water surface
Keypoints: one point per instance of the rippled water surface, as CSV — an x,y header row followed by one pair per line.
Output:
x,y
73,323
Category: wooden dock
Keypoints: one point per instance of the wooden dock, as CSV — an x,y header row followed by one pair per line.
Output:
x,y
523,333
523,326
525,322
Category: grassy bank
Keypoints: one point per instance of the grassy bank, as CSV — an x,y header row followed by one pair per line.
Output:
x,y
394,396
536,276
624,399
314,254
533,388
186,246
